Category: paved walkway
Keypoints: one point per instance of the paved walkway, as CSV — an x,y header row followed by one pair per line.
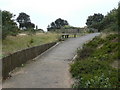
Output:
x,y
50,70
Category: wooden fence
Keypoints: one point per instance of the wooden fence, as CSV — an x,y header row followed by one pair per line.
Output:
x,y
16,59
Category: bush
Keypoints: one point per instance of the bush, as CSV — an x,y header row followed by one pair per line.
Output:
x,y
9,26
95,42
87,67
95,82
85,52
92,68
94,74
109,49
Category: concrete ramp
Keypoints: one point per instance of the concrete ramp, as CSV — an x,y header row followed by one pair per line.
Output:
x,y
50,70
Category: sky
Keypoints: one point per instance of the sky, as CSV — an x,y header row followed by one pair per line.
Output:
x,y
43,12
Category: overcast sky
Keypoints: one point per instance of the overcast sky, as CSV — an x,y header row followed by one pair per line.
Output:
x,y
43,12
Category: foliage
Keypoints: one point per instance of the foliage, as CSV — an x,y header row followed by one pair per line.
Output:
x,y
85,52
109,22
92,68
24,21
69,27
91,71
93,21
9,27
95,82
30,42
59,23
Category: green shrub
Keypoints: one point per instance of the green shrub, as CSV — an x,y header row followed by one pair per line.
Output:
x,y
95,42
85,52
92,68
95,82
109,49
88,67
31,41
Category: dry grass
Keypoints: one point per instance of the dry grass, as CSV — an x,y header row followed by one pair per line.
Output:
x,y
12,44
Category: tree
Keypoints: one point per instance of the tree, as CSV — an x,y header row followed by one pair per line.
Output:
x,y
9,27
110,21
29,25
24,21
94,20
59,23
53,25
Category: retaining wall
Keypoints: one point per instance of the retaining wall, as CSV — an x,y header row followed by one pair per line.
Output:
x,y
16,59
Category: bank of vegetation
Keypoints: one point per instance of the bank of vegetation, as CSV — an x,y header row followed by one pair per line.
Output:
x,y
94,65
97,63
20,33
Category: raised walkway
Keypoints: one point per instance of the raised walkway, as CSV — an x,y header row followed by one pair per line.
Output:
x,y
50,70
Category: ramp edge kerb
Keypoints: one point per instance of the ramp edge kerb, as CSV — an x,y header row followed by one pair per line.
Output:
x,y
46,51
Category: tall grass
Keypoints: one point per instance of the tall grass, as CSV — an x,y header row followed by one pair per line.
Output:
x,y
14,43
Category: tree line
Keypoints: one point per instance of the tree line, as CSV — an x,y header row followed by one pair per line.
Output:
x,y
57,24
98,21
9,24
111,21
107,22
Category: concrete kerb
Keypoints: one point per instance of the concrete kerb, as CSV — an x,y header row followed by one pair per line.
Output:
x,y
71,62
75,56
72,80
73,59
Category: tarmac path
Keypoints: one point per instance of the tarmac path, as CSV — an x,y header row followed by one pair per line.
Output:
x,y
49,70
